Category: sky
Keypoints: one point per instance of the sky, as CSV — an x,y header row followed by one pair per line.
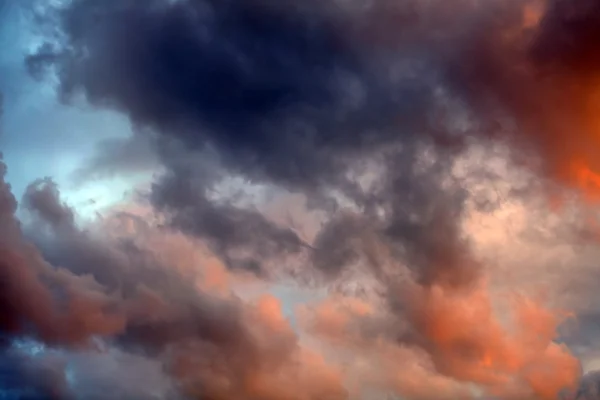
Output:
x,y
43,137
316,200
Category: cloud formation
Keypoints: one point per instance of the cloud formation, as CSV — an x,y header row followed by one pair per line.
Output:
x,y
370,112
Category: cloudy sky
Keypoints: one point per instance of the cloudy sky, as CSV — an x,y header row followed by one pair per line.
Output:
x,y
43,137
315,200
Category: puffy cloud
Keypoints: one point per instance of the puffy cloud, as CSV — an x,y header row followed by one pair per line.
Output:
x,y
458,336
110,289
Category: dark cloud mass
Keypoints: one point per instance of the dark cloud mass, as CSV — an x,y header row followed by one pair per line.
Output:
x,y
363,108
100,288
270,87
279,93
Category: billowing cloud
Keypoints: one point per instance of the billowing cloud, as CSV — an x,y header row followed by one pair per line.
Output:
x,y
117,297
398,126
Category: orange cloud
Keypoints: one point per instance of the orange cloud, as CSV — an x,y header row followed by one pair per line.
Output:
x,y
458,339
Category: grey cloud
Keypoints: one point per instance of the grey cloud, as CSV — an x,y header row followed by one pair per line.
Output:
x,y
301,98
225,227
589,388
118,156
164,315
281,95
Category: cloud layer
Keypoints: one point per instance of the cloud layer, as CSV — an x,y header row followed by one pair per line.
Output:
x,y
356,149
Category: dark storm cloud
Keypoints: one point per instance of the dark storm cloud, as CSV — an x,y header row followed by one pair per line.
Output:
x,y
229,66
278,92
213,73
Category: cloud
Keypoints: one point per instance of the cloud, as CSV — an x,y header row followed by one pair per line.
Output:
x,y
31,286
117,157
101,289
372,116
456,340
226,227
22,378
